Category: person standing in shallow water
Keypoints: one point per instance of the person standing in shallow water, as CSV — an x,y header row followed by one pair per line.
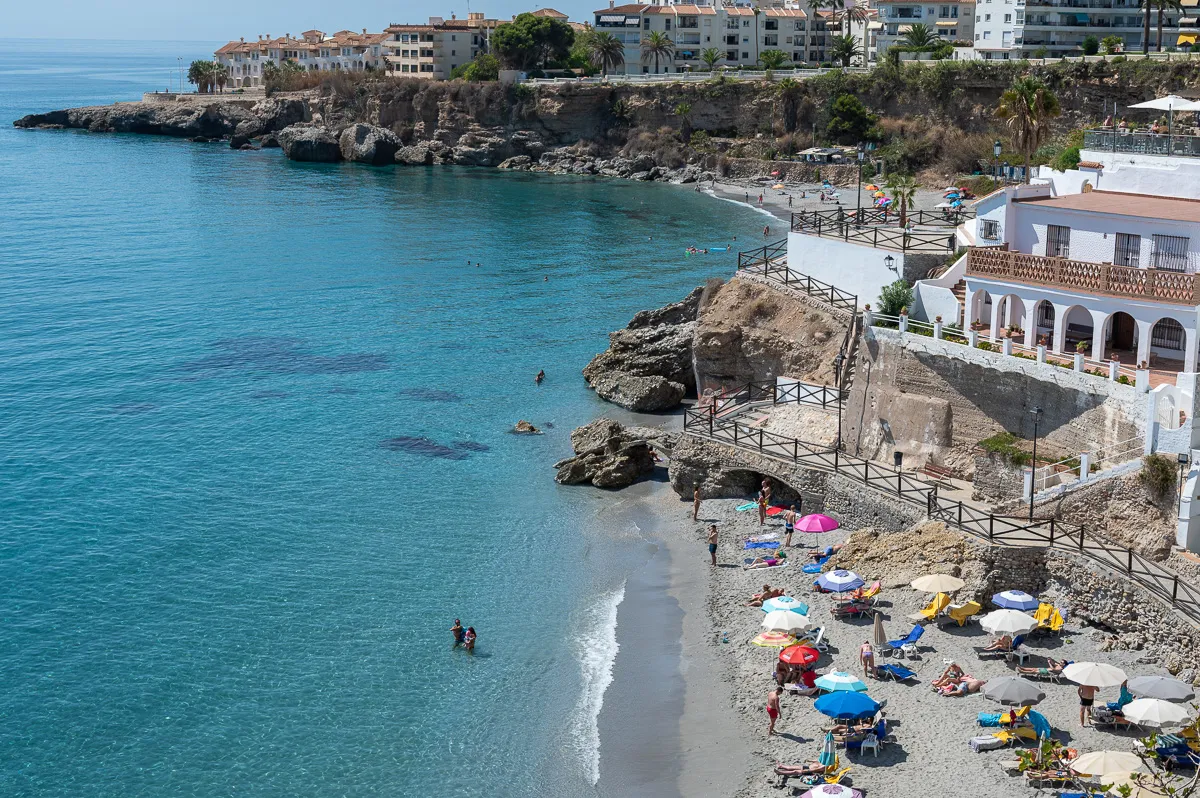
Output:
x,y
712,543
469,639
458,632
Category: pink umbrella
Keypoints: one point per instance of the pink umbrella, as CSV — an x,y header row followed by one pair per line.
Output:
x,y
832,791
816,523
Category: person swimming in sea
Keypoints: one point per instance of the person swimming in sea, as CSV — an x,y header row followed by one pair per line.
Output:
x,y
541,375
458,632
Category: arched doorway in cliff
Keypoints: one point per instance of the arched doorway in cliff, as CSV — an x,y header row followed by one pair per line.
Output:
x,y
748,483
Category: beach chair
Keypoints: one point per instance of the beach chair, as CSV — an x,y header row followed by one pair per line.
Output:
x,y
851,609
932,609
867,594
1042,615
992,652
818,640
960,613
906,645
897,673
1056,623
1040,778
837,776
1017,652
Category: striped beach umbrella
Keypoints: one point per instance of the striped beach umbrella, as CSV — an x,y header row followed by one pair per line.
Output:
x,y
828,751
1015,600
832,791
841,682
840,581
785,603
774,640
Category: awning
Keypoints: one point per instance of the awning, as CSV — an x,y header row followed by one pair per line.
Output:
x,y
947,23
631,21
1187,38
1188,20
619,19
904,29
879,25
1083,18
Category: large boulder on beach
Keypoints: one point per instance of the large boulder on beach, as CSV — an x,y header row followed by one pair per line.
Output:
x,y
310,143
369,144
415,155
609,454
641,394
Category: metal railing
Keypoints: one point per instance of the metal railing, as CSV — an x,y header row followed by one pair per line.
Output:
x,y
996,530
1142,143
771,262
843,225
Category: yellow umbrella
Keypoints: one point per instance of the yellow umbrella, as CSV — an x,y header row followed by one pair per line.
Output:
x,y
774,640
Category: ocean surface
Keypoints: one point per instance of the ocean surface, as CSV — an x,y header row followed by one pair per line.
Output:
x,y
255,456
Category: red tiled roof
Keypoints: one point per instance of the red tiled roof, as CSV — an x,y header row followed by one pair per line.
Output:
x,y
631,8
548,12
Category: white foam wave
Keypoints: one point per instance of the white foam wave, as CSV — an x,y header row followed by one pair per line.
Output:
x,y
749,205
597,651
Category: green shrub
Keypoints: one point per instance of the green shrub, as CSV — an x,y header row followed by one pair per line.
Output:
x,y
1157,475
1004,443
895,297
1091,45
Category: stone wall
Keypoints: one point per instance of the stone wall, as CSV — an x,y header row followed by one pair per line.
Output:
x,y
997,479
934,400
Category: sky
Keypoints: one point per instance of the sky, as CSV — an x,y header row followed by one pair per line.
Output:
x,y
173,20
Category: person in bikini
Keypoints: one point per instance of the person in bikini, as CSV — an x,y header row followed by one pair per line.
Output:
x,y
469,639
769,561
866,656
952,675
969,684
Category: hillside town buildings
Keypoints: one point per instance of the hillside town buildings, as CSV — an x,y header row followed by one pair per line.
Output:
x,y
313,50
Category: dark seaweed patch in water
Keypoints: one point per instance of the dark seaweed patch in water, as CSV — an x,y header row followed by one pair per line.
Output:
x,y
132,408
549,425
429,394
276,355
472,446
422,446
343,391
268,395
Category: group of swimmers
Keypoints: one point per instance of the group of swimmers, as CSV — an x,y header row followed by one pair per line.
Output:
x,y
463,637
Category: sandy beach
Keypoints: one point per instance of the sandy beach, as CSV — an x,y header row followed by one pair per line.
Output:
x,y
781,204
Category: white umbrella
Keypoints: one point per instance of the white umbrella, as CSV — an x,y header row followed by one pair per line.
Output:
x,y
1171,103
1138,789
786,621
1163,687
938,583
1154,712
1098,762
840,681
1009,622
1095,674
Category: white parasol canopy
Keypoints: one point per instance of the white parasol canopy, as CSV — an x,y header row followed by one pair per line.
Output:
x,y
1099,762
1095,674
1008,622
786,621
1171,102
1155,712
938,583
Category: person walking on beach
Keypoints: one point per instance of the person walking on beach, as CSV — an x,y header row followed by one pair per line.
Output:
x,y
789,525
772,709
712,543
696,502
458,632
1087,697
762,507
469,639
866,656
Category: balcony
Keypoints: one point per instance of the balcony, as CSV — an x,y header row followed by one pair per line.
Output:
x,y
933,233
1142,143
1153,285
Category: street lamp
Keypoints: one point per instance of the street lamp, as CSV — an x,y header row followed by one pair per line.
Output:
x,y
996,149
890,262
838,362
1036,412
862,154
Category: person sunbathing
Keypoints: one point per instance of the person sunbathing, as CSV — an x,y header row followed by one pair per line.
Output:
x,y
769,561
1003,644
817,554
969,684
1053,668
952,675
758,599
807,769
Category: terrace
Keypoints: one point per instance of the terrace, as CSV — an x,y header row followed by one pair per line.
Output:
x,y
1142,143
924,231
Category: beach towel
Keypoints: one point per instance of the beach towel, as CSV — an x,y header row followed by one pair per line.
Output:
x,y
760,544
747,506
773,511
765,536
812,568
765,567
987,742
989,718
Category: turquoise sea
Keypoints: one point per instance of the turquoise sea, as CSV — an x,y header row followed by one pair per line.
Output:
x,y
254,457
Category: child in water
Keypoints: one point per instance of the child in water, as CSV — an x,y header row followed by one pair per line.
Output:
x,y
469,640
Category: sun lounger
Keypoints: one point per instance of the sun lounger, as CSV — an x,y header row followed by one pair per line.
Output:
x,y
837,776
908,644
1049,619
1005,651
932,609
985,742
851,609
1105,717
817,640
1037,778
867,594
960,613
898,673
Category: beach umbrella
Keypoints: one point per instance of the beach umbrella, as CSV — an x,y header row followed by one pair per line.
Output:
x,y
1155,712
774,640
840,681
1015,600
786,621
938,583
1163,687
881,639
1094,674
799,655
871,187
846,706
1139,786
1013,691
1008,622
828,751
832,791
816,524
956,204
785,603
1098,762
840,581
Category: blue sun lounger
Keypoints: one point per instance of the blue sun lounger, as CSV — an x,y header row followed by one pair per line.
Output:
x,y
897,672
910,640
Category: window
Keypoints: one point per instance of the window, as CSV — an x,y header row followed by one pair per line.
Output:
x,y
731,55
987,34
1170,253
667,23
646,23
453,52
1127,250
771,24
1058,241
771,41
745,23
1008,17
987,17
799,24
1045,316
1167,334
989,229
731,39
797,55
745,55
404,67
1020,17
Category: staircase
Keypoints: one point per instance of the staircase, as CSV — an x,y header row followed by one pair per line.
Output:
x,y
960,293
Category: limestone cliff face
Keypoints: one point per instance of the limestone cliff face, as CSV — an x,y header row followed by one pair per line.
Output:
x,y
215,118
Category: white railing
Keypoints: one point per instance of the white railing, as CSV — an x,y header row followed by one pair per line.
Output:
x,y
1080,467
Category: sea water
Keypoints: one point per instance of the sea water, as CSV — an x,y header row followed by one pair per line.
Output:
x,y
255,456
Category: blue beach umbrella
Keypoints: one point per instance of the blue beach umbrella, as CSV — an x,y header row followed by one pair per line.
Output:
x,y
840,581
785,603
1015,600
847,706
840,681
828,752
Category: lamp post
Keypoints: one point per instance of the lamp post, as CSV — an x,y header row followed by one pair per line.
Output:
x,y
838,362
1036,412
862,154
890,262
996,149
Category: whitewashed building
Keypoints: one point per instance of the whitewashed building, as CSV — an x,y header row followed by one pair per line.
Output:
x,y
953,20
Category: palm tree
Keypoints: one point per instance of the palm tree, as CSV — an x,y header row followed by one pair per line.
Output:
x,y
220,76
845,49
606,51
710,57
1146,4
1163,6
657,45
1028,106
919,38
855,13
772,59
200,73
904,190
684,112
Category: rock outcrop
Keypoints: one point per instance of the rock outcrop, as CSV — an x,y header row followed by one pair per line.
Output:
x,y
523,427
310,143
369,144
648,365
211,118
608,455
